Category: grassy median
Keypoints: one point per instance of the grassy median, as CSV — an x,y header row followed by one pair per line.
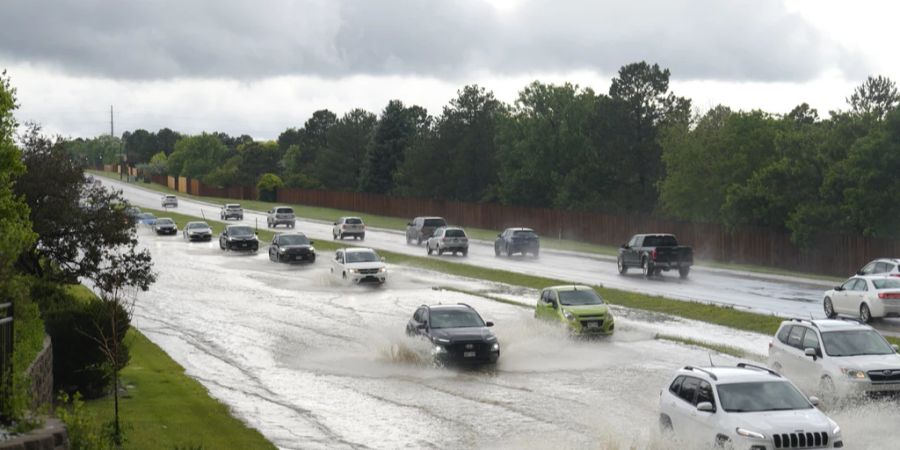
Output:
x,y
164,408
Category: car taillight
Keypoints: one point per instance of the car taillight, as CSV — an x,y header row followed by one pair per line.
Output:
x,y
895,275
343,227
886,295
653,254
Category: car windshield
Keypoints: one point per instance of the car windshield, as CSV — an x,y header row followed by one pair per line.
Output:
x,y
855,343
455,318
435,223
145,216
284,211
660,241
195,225
353,221
761,396
579,297
164,221
357,257
170,197
293,239
233,206
455,233
524,234
887,283
240,231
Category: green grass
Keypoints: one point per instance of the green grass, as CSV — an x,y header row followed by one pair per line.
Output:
x,y
399,223
720,348
163,407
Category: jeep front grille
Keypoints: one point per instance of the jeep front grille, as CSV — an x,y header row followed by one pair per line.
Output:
x,y
801,440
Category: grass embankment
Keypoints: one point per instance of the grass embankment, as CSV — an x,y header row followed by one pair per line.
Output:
x,y
164,408
399,224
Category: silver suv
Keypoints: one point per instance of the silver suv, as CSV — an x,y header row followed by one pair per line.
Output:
x,y
884,266
280,215
835,357
231,211
169,200
349,226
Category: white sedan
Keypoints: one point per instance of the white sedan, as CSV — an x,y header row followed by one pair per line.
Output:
x,y
867,297
359,265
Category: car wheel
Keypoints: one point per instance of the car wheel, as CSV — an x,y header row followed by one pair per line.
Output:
x,y
864,313
408,240
827,391
645,267
440,251
362,237
620,263
537,253
683,272
496,250
333,236
419,240
829,309
509,252
665,423
465,252
312,259
428,249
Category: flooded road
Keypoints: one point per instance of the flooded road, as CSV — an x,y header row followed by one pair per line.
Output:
x,y
313,363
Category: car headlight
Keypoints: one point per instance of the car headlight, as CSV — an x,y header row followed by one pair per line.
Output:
x,y
836,430
495,347
568,315
853,374
353,270
749,433
438,349
281,250
382,270
312,249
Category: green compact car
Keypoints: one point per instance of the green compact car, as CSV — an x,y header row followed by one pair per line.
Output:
x,y
579,307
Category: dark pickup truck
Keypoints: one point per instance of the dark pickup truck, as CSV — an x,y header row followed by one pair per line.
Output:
x,y
654,253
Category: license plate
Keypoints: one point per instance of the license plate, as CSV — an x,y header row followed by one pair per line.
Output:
x,y
297,257
593,324
468,354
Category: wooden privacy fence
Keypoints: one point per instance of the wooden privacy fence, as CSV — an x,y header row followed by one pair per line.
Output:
x,y
838,255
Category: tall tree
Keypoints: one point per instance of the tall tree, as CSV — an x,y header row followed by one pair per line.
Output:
x,y
140,146
338,165
166,140
875,98
396,130
196,156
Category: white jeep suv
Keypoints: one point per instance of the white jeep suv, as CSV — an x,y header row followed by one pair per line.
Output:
x,y
743,407
835,357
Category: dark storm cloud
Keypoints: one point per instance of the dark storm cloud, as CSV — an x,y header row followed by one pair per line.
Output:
x,y
703,39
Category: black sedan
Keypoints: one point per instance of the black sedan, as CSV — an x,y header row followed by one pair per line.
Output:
x,y
165,225
239,238
458,333
292,247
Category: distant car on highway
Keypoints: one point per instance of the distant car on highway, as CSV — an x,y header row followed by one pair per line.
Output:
x,y
239,238
197,231
655,253
231,211
359,265
165,225
146,218
517,240
457,332
867,297
292,247
835,358
747,407
448,239
349,226
169,201
280,215
579,308
883,266
422,228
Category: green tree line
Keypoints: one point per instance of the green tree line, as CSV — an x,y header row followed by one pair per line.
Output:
x,y
638,148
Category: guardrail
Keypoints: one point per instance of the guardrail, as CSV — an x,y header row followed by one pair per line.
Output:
x,y
6,351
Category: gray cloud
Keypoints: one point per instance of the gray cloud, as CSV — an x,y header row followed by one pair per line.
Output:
x,y
754,40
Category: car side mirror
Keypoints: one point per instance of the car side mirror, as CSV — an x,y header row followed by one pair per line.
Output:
x,y
334,223
553,304
706,407
839,288
423,325
814,400
859,272
312,242
409,224
896,348
382,259
499,234
489,324
812,353
623,246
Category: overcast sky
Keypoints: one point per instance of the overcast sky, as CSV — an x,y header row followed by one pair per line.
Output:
x,y
260,67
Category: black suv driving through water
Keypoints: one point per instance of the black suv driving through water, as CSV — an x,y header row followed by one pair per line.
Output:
x,y
458,333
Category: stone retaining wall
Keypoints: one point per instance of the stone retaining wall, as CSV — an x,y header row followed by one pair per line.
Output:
x,y
40,372
52,436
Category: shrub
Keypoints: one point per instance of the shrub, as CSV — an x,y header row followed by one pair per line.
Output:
x,y
268,185
27,343
78,327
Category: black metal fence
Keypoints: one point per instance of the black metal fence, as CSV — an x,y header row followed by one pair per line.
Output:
x,y
6,351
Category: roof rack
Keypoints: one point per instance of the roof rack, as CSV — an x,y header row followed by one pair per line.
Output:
x,y
809,321
466,305
754,366
711,375
851,319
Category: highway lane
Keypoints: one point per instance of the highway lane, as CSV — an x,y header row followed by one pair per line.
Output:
x,y
784,296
